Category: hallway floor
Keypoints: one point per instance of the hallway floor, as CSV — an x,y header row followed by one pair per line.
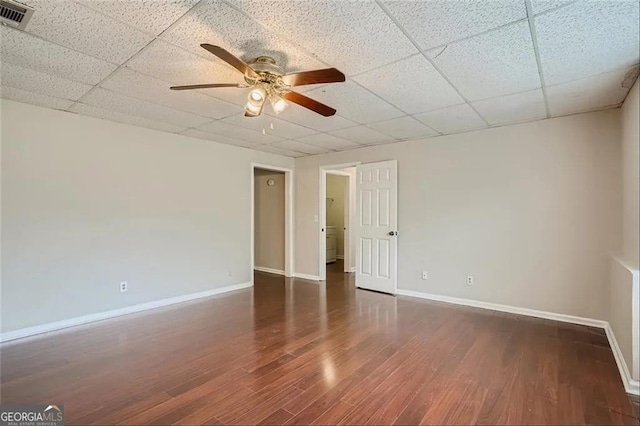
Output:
x,y
298,352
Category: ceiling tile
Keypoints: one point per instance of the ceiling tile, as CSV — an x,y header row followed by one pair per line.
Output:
x,y
588,38
372,38
516,108
153,16
215,22
220,127
329,142
26,97
110,115
456,119
72,25
34,81
304,117
498,63
136,107
363,135
438,22
587,94
280,128
403,128
279,151
354,102
140,86
412,85
301,147
23,49
172,64
194,133
540,6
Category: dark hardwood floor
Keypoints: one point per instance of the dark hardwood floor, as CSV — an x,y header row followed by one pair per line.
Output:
x,y
291,351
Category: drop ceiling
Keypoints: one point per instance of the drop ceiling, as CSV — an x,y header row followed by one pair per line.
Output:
x,y
415,69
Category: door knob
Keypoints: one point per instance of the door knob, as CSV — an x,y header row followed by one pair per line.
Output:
x,y
392,233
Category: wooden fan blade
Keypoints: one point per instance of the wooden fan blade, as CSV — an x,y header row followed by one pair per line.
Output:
x,y
234,61
204,86
327,75
309,103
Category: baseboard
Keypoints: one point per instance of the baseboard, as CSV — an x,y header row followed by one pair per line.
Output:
x,y
630,385
71,322
340,256
268,270
506,308
307,277
353,269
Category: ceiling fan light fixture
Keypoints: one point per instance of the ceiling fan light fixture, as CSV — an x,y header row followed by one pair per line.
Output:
x,y
278,103
257,97
253,109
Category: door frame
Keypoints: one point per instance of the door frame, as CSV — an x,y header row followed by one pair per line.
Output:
x,y
288,217
322,213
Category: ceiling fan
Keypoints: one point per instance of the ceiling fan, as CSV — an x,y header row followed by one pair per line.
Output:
x,y
269,81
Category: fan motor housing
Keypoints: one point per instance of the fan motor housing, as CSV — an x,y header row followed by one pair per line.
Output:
x,y
266,67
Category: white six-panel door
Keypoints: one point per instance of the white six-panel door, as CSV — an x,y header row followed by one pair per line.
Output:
x,y
376,226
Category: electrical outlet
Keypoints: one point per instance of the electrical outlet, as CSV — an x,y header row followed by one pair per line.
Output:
x,y
424,275
469,280
124,286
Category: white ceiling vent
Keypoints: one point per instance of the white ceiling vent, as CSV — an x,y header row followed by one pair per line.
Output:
x,y
14,14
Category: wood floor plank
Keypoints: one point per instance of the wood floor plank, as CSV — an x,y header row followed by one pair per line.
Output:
x,y
294,352
334,414
423,401
278,417
110,413
256,412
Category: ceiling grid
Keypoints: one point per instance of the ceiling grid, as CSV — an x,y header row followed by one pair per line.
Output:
x,y
534,39
433,64
415,69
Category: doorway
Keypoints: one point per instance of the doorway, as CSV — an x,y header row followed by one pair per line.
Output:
x,y
337,207
271,220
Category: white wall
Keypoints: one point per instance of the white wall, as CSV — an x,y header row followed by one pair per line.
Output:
x,y
631,177
624,291
624,313
88,203
337,190
530,210
621,314
269,220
